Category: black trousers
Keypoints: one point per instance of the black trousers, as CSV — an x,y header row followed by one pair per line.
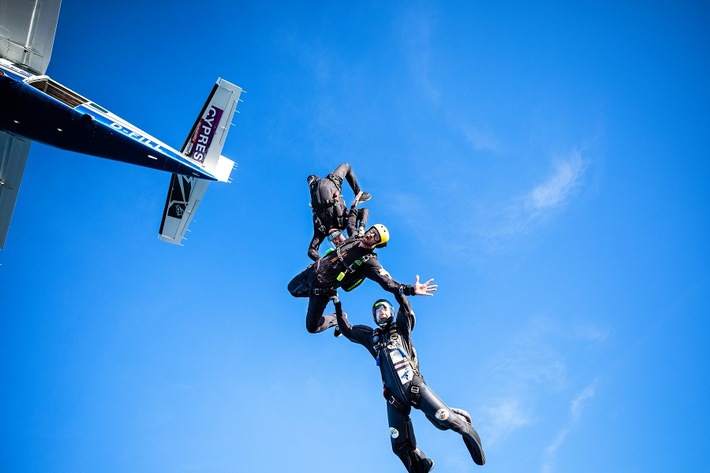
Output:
x,y
345,171
300,286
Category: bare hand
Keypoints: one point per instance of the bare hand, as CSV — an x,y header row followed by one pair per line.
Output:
x,y
424,289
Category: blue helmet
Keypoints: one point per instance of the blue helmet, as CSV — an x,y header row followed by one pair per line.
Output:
x,y
376,306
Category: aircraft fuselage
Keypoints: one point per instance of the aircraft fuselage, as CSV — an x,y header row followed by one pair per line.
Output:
x,y
40,109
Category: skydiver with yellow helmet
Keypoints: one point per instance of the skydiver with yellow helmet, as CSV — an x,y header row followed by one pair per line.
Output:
x,y
346,267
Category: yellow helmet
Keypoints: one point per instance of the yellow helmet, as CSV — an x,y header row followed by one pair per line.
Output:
x,y
382,233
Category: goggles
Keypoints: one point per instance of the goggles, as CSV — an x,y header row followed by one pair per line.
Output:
x,y
373,232
335,235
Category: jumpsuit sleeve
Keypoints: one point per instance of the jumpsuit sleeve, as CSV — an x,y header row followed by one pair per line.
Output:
x,y
362,216
343,322
317,239
405,314
374,271
360,334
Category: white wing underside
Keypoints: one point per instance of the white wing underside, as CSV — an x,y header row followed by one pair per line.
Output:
x,y
13,156
27,29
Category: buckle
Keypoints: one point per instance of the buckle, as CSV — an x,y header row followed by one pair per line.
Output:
x,y
414,389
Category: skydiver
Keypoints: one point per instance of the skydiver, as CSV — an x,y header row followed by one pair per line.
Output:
x,y
404,387
346,267
298,287
328,205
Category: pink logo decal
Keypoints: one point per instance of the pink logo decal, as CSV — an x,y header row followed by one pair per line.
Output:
x,y
205,131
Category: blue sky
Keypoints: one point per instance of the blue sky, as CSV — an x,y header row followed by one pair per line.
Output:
x,y
546,163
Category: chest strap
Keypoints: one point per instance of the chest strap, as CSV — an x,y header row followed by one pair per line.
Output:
x,y
351,268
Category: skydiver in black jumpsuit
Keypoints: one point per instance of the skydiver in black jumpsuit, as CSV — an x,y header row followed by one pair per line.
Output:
x,y
347,266
329,209
404,387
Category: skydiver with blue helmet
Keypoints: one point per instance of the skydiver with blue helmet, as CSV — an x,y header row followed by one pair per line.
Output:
x,y
404,387
346,267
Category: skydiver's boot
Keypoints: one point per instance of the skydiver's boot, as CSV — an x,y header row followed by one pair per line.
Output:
x,y
365,196
473,443
419,463
426,465
471,438
323,323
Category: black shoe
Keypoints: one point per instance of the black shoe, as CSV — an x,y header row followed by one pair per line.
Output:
x,y
473,444
427,464
365,196
337,333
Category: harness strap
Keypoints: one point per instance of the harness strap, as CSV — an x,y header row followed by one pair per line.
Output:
x,y
415,396
393,401
323,291
352,267
337,180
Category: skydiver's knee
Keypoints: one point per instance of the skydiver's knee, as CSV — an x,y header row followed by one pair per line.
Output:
x,y
311,327
400,443
342,170
445,419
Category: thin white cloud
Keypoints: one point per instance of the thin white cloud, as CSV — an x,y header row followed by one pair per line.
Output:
x,y
533,208
529,365
556,190
504,417
417,29
481,140
533,368
575,413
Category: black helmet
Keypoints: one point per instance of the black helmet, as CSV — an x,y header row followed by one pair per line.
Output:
x,y
376,305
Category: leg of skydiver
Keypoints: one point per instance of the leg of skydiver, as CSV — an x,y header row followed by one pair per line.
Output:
x,y
404,444
444,418
315,320
362,216
298,286
345,171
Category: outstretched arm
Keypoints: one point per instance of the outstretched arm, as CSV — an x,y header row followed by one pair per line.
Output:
x,y
343,322
317,239
361,334
374,271
405,314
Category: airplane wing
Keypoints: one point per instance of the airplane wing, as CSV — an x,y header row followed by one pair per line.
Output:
x,y
13,156
27,29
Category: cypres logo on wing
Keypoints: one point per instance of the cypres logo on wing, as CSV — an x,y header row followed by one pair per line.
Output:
x,y
204,133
